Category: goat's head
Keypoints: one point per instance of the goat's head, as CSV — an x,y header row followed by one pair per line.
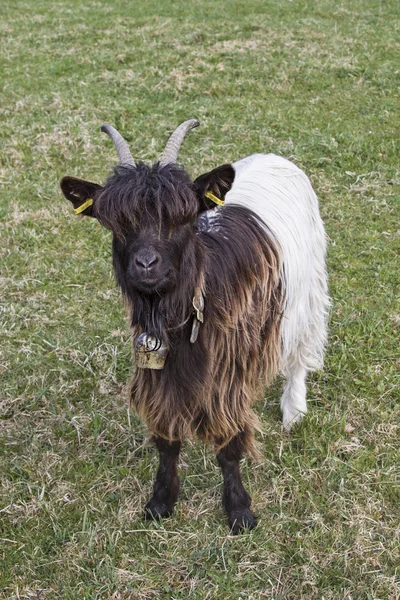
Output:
x,y
151,211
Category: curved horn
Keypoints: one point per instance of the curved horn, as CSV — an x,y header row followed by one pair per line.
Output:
x,y
125,156
171,150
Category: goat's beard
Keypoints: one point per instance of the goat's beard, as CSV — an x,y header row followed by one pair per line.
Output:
x,y
161,309
158,314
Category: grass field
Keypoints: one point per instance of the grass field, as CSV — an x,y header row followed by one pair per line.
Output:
x,y
317,82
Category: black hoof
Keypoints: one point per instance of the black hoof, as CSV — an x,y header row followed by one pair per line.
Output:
x,y
156,510
240,521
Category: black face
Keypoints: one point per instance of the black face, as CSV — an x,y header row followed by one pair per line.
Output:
x,y
150,211
148,259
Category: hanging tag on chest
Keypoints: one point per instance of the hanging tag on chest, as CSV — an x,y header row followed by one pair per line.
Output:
x,y
195,330
198,305
150,352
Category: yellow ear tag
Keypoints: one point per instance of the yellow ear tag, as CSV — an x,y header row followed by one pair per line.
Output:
x,y
83,206
214,198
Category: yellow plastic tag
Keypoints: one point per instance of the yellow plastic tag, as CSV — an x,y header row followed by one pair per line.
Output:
x,y
214,198
83,206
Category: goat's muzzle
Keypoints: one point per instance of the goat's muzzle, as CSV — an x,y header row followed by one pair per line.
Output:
x,y
149,273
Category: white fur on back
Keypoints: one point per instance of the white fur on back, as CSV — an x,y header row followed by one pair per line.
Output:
x,y
281,195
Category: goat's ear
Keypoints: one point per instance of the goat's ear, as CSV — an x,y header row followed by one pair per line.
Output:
x,y
217,182
81,193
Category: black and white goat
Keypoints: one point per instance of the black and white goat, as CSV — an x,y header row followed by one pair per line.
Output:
x,y
221,298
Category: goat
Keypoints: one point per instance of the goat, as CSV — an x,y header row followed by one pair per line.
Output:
x,y
221,299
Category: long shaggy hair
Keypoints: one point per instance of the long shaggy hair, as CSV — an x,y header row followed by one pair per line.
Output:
x,y
207,388
133,197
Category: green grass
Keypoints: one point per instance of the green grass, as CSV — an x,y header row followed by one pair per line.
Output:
x,y
317,82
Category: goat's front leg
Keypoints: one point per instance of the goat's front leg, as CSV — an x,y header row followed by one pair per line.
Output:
x,y
235,498
166,485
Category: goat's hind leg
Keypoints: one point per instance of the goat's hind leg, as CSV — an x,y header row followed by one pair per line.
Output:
x,y
235,498
166,485
293,400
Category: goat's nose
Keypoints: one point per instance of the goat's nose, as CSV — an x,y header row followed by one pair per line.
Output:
x,y
147,260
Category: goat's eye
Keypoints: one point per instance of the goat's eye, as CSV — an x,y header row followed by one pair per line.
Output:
x,y
121,244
